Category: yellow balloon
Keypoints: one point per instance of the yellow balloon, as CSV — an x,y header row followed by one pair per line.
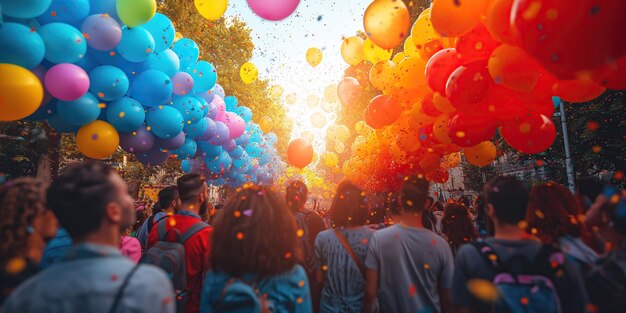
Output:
x,y
211,9
135,12
312,101
330,93
374,53
291,98
343,133
276,91
97,140
248,72
362,128
307,135
399,57
425,38
442,103
318,119
382,75
340,147
481,154
21,92
330,159
314,56
266,124
352,50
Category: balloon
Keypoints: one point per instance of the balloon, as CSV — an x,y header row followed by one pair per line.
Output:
x,y
266,124
220,164
425,41
382,75
220,108
237,153
102,32
109,83
498,22
66,81
410,75
164,121
190,108
374,53
349,91
21,92
273,10
440,67
61,126
153,157
383,110
340,147
611,76
468,130
104,7
453,18
125,114
207,95
185,166
468,87
578,90
352,50
229,145
187,150
209,149
64,43
136,12
196,130
387,23
300,152
318,119
218,90
481,154
166,62
244,112
530,134
222,134
314,56
183,83
137,44
513,68
211,9
204,76
243,140
80,111
235,124
172,143
97,140
24,8
65,11
20,46
162,31
138,141
249,73
151,88
476,45
187,51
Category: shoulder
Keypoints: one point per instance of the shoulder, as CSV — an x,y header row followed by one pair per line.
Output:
x,y
385,233
147,274
467,252
325,234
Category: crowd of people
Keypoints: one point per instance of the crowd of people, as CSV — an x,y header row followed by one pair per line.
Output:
x,y
81,244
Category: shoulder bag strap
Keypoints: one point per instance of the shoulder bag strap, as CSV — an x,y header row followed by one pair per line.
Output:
x,y
120,292
195,228
346,246
487,252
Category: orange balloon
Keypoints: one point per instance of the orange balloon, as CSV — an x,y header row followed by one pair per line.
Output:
x,y
349,91
453,18
425,40
430,161
578,90
383,110
481,154
513,68
440,129
442,103
382,74
97,140
387,22
352,50
498,22
410,75
300,152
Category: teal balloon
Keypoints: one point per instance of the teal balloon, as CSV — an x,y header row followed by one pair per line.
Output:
x,y
556,101
185,166
164,121
244,112
62,126
189,107
162,30
20,46
196,130
187,51
64,43
209,150
187,151
136,45
65,11
204,76
231,103
108,82
24,8
81,111
166,61
219,164
151,88
104,7
125,114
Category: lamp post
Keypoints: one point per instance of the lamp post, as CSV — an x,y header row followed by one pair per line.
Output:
x,y
569,167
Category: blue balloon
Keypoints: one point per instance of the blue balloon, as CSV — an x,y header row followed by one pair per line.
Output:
x,y
189,107
211,129
64,43
243,139
137,44
125,114
172,143
65,11
45,111
166,62
237,152
86,64
242,161
208,149
187,51
20,46
24,8
255,137
162,30
244,112
254,149
221,134
108,82
104,7
204,76
187,151
185,166
196,130
62,126
218,182
220,164
164,121
231,103
153,157
207,95
271,139
230,145
151,88
556,101
81,111
219,90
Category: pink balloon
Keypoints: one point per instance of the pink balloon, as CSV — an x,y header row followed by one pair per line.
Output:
x,y
183,83
219,104
349,91
273,10
235,124
66,81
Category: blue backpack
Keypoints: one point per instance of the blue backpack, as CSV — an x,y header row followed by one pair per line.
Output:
x,y
525,286
239,296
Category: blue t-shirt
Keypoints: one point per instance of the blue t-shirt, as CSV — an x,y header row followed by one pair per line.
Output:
x,y
344,284
56,248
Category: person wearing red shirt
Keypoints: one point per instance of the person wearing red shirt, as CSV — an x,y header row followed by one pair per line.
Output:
x,y
193,193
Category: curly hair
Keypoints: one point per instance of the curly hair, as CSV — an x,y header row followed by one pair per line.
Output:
x,y
457,225
21,200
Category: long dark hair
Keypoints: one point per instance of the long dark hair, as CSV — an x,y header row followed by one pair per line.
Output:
x,y
457,225
256,233
349,207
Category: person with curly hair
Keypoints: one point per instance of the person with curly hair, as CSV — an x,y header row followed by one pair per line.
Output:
x,y
26,224
457,226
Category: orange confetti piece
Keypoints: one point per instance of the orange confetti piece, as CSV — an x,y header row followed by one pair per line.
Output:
x,y
239,235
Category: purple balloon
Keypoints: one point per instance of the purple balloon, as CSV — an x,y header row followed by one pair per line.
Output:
x,y
218,90
212,111
153,157
211,129
183,83
171,143
229,145
67,81
102,32
207,95
235,123
218,102
222,134
244,139
139,141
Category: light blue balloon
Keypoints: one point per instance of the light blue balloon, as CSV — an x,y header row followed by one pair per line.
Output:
x,y
164,121
162,30
243,139
187,151
151,88
60,125
81,111
242,161
253,149
218,90
237,153
189,107
87,64
125,114
218,182
209,150
65,11
24,8
204,76
104,7
64,43
185,166
221,163
244,112
187,51
231,103
20,46
166,62
196,130
137,44
108,82
271,139
556,101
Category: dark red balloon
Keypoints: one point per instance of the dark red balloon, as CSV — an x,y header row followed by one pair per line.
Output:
x,y
382,111
476,45
468,130
439,68
468,87
532,133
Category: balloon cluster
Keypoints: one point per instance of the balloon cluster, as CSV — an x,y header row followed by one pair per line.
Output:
x,y
114,76
470,69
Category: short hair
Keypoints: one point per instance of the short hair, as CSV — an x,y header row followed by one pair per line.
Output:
x,y
190,186
414,193
80,195
166,196
349,206
296,195
509,198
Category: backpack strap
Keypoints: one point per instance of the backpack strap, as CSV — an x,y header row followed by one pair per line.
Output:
x,y
120,292
161,231
348,249
549,260
195,228
489,255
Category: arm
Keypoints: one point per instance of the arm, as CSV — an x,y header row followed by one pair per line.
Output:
x,y
371,291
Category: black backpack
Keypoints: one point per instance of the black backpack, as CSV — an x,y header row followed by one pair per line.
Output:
x,y
305,243
606,285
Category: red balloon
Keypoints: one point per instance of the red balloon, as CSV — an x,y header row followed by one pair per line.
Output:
x,y
349,91
439,175
468,130
428,106
439,68
532,133
300,152
505,105
468,87
612,76
476,45
383,110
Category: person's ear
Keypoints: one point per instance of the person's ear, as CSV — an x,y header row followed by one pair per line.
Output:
x,y
174,203
113,213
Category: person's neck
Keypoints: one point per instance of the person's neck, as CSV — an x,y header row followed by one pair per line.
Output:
x,y
509,232
191,207
36,245
169,210
105,236
411,219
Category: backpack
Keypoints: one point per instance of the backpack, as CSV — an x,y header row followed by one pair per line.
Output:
x,y
606,285
305,243
239,296
170,257
525,286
